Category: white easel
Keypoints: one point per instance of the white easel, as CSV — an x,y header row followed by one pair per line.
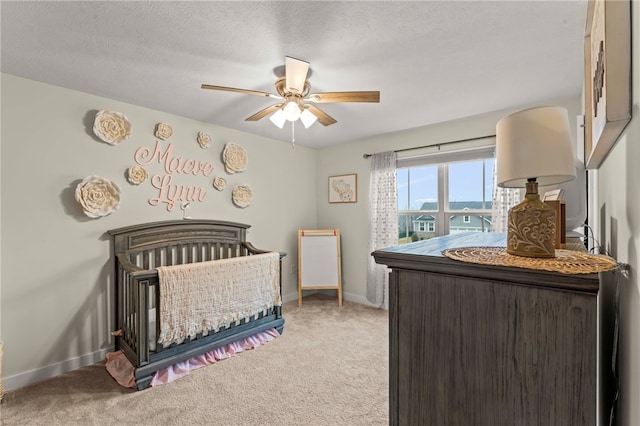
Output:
x,y
319,266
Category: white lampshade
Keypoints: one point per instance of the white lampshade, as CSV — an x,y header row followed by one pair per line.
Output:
x,y
307,118
278,118
534,143
291,111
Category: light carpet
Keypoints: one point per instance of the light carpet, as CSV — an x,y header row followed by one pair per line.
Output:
x,y
329,367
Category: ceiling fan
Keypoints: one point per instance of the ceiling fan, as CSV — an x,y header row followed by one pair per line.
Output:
x,y
296,101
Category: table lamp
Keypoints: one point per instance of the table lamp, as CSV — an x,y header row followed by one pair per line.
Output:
x,y
533,147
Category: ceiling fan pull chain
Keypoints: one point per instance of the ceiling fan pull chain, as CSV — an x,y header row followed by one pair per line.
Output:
x,y
293,134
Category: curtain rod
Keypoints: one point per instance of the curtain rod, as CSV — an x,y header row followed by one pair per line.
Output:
x,y
437,144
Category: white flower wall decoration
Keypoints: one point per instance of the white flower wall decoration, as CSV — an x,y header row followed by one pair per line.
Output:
x,y
163,131
111,127
136,175
98,196
241,196
219,183
235,158
204,140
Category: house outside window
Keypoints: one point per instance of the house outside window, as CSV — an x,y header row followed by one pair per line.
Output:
x,y
445,194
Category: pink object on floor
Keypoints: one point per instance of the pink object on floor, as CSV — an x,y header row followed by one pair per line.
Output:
x,y
122,371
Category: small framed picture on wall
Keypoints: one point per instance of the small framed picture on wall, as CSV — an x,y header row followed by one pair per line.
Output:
x,y
343,188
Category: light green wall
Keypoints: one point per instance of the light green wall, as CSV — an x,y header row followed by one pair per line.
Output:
x,y
619,234
56,275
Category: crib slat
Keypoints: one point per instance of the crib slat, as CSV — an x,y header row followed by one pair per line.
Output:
x,y
145,259
180,257
200,255
158,257
190,254
142,326
121,294
130,320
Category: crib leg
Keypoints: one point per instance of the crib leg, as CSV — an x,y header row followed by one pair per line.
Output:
x,y
143,382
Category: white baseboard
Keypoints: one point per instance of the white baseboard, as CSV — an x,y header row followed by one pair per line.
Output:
x,y
358,299
39,374
289,297
346,296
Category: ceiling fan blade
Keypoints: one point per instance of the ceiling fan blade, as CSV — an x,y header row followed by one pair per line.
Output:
x,y
324,118
295,74
233,89
263,113
344,97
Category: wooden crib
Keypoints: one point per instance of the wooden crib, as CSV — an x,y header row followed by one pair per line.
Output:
x,y
137,251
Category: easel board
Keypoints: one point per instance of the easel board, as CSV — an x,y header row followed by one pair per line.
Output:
x,y
319,264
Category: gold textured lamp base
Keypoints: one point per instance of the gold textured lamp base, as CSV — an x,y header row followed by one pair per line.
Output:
x,y
531,231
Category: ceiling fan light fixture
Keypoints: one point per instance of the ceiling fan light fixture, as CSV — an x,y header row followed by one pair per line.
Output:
x,y
307,118
278,118
292,111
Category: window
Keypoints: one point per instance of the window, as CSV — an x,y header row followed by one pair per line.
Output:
x,y
444,193
421,226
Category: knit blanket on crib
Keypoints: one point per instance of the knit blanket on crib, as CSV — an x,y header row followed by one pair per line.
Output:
x,y
205,296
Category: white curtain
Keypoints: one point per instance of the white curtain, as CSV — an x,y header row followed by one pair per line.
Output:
x,y
383,223
503,200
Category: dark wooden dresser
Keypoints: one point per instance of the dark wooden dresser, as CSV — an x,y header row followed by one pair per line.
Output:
x,y
478,345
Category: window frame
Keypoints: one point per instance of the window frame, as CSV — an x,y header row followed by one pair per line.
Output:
x,y
444,214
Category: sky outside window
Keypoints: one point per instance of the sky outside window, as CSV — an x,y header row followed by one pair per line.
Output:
x,y
467,182
418,185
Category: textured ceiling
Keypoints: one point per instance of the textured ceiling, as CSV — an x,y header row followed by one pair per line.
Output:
x,y
432,61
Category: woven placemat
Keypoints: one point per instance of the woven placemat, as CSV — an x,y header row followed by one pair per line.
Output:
x,y
566,261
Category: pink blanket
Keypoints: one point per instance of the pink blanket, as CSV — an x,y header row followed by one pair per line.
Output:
x,y
122,371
